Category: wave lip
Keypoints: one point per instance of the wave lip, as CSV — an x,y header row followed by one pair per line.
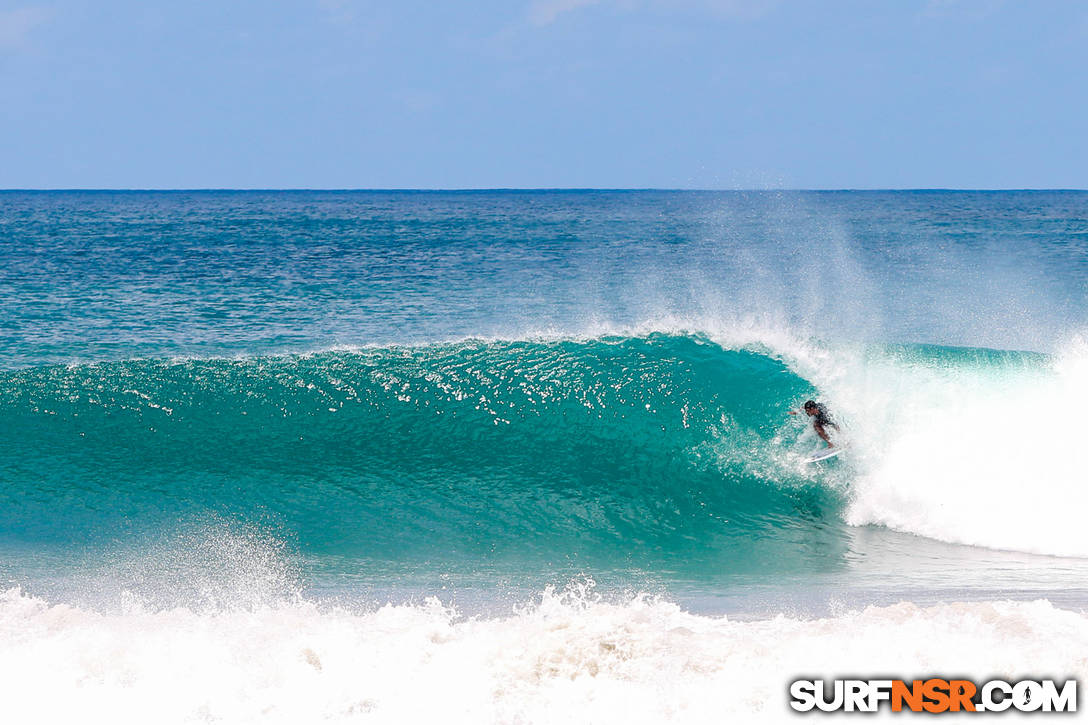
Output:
x,y
660,445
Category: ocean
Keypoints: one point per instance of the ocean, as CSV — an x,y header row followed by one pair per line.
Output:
x,y
526,456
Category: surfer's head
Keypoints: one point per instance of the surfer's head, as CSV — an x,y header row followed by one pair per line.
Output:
x,y
810,407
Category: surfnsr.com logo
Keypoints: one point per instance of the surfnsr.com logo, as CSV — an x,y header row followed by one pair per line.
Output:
x,y
934,695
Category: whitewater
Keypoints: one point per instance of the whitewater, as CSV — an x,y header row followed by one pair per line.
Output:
x,y
527,456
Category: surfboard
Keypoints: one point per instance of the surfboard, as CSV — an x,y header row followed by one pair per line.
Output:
x,y
824,453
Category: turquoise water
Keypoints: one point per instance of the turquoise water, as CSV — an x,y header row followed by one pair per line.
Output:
x,y
615,450
387,395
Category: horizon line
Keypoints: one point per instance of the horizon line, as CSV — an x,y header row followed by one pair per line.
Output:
x,y
486,189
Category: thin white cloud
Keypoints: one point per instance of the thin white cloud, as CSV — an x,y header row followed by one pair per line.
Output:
x,y
741,9
16,24
544,12
338,11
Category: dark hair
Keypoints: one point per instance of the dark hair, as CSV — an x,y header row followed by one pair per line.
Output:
x,y
810,404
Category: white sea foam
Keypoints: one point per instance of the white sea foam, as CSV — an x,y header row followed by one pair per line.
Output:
x,y
567,658
989,454
990,457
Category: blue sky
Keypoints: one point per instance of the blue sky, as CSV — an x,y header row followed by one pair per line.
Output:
x,y
544,93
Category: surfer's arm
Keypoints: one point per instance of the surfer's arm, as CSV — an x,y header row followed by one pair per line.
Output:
x,y
823,433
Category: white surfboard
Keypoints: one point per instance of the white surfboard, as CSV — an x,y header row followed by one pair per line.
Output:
x,y
824,453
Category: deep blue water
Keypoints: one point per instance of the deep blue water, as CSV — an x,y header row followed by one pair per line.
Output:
x,y
109,275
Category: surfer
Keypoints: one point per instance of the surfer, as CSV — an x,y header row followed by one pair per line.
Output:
x,y
822,420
